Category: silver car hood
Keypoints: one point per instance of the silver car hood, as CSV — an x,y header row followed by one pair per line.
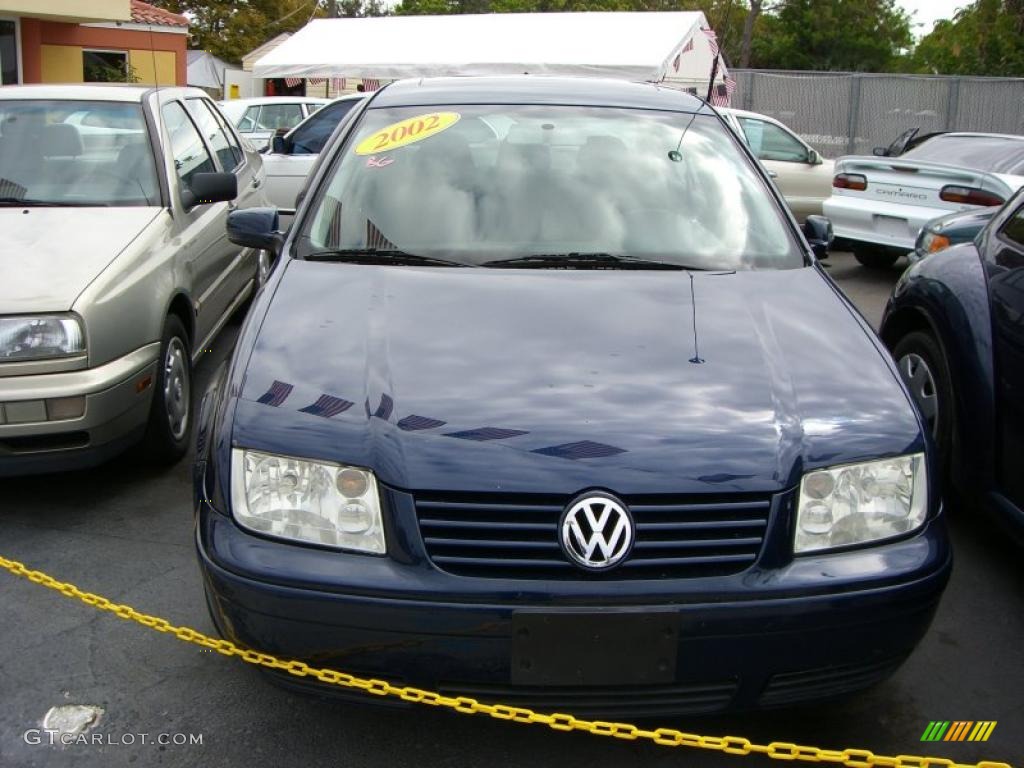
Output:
x,y
48,256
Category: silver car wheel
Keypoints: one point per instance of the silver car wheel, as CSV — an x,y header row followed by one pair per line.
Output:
x,y
921,382
176,387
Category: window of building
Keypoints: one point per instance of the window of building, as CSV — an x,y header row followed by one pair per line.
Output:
x,y
8,52
105,66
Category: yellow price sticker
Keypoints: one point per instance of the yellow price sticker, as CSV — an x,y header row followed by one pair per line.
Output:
x,y
407,132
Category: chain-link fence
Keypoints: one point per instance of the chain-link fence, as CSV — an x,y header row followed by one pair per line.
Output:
x,y
851,113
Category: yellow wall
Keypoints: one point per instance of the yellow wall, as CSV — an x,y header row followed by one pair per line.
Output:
x,y
142,63
61,64
65,10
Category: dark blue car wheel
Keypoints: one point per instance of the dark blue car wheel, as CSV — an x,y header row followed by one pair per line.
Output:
x,y
923,367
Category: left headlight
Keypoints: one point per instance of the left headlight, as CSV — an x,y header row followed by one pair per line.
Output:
x,y
37,337
859,503
309,501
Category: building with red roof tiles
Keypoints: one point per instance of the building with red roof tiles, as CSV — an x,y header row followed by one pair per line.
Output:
x,y
54,41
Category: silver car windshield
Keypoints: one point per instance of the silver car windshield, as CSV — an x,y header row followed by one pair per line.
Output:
x,y
75,153
485,184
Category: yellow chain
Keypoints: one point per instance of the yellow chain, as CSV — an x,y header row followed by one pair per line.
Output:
x,y
733,745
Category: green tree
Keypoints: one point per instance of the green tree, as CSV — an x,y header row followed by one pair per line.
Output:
x,y
831,35
231,28
984,38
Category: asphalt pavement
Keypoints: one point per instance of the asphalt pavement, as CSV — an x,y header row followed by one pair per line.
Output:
x,y
125,532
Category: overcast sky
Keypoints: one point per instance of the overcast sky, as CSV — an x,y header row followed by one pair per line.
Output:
x,y
929,11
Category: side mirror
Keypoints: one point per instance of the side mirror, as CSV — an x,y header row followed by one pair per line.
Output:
x,y
209,188
279,145
255,228
813,158
818,231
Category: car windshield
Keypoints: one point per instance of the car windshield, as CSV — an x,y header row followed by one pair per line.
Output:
x,y
75,153
997,154
531,184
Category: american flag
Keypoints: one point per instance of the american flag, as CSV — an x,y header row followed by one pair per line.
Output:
x,y
291,82
712,40
686,49
327,406
317,81
376,239
722,95
416,423
338,83
371,84
277,394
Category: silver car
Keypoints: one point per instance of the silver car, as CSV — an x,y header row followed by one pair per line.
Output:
x,y
115,268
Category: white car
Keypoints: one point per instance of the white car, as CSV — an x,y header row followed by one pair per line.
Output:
x,y
259,119
879,204
116,268
291,157
802,175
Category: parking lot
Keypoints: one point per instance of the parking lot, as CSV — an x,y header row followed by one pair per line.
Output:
x,y
126,532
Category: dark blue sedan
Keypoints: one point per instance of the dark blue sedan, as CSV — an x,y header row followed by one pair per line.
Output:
x,y
955,323
548,401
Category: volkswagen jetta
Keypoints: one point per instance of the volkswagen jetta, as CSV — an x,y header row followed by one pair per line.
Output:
x,y
548,400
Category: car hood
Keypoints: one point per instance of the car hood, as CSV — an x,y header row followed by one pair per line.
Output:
x,y
556,381
48,256
962,226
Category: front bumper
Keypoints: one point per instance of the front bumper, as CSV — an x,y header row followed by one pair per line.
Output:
x,y
115,414
816,627
877,222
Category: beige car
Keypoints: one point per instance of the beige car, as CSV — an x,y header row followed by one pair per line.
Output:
x,y
802,175
115,268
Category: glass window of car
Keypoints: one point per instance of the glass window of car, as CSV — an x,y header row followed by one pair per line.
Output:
x,y
310,137
236,149
275,116
1013,229
313,107
76,153
187,148
248,122
511,181
997,154
769,141
215,134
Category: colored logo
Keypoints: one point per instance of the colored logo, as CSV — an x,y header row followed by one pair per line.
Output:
x,y
958,730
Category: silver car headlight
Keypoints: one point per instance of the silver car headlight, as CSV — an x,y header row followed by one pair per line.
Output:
x,y
859,503
309,501
38,337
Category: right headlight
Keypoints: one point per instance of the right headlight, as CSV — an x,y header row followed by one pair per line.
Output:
x,y
307,501
38,337
859,503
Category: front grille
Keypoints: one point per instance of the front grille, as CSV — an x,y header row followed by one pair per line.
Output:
x,y
509,537
645,701
792,687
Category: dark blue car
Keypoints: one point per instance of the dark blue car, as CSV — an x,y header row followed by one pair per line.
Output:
x,y
548,401
955,323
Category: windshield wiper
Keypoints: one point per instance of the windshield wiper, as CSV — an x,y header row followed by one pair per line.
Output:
x,y
380,256
18,202
577,260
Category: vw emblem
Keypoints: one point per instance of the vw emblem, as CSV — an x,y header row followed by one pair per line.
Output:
x,y
597,532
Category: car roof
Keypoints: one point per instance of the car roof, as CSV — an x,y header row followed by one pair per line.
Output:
x,y
979,135
93,92
535,89
260,100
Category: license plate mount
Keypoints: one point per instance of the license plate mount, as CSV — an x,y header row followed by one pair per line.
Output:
x,y
566,648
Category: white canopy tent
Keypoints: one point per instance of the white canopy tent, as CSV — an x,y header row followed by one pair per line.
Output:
x,y
669,47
